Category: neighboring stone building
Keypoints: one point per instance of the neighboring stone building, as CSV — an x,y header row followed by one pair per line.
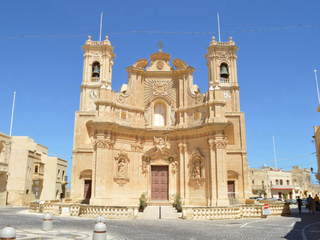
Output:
x,y
272,183
281,185
29,165
5,144
159,134
258,180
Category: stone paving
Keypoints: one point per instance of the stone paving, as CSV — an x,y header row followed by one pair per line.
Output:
x,y
305,226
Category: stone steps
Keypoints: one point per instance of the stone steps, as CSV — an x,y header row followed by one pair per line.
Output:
x,y
167,212
159,203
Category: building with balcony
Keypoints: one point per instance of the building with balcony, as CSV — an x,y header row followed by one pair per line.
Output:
x,y
33,174
271,183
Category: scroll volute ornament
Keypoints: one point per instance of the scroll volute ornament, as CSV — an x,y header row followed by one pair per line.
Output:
x,y
103,141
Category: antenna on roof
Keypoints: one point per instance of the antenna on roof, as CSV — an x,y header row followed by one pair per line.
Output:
x,y
100,27
219,27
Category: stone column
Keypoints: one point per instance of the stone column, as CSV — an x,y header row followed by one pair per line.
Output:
x,y
101,162
221,143
182,149
212,178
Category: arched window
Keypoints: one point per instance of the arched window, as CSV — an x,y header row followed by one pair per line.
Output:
x,y
159,114
36,168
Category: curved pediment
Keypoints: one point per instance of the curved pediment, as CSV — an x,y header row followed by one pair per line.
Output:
x,y
159,152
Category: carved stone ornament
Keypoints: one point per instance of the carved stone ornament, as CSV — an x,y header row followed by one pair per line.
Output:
x,y
199,98
123,115
227,95
160,65
141,63
160,89
174,167
197,164
179,64
183,146
106,142
122,163
121,181
198,181
219,142
137,146
160,143
196,115
144,167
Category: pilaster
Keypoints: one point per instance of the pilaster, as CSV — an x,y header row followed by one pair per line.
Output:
x,y
183,183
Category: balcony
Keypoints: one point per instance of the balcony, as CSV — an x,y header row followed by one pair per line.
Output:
x,y
37,176
283,187
257,187
95,79
64,180
3,167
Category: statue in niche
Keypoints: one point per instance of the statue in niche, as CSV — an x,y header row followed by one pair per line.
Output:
x,y
121,164
173,116
197,169
146,115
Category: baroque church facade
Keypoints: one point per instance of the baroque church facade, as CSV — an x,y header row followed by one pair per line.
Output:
x,y
159,134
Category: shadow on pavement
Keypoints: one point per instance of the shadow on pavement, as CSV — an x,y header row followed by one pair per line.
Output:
x,y
308,228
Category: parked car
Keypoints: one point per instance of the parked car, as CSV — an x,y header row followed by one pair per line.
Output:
x,y
256,198
304,202
292,201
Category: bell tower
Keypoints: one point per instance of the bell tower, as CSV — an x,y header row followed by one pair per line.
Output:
x,y
97,72
222,71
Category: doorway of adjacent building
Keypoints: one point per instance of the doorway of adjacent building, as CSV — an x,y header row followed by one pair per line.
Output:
x,y
87,189
159,182
231,190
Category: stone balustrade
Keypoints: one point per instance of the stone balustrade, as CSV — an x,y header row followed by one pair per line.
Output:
x,y
193,213
234,212
88,211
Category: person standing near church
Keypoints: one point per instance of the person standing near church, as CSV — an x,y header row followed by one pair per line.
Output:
x,y
299,201
316,199
309,201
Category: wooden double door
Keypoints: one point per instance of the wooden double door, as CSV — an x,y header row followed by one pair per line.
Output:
x,y
159,183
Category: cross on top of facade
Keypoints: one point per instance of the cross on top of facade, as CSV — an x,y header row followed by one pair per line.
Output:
x,y
160,44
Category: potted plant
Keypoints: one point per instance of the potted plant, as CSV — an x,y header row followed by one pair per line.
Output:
x,y
177,203
143,202
174,201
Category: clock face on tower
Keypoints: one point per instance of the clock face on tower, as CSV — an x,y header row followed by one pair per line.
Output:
x,y
93,94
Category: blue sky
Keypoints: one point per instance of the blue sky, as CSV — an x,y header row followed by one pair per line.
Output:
x,y
41,59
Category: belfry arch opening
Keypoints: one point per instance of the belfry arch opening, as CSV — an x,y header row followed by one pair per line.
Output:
x,y
95,69
224,70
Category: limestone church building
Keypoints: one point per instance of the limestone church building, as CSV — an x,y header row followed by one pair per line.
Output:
x,y
159,134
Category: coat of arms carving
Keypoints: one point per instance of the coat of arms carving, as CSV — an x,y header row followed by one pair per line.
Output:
x,y
160,89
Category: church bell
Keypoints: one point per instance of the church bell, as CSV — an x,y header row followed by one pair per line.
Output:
x,y
96,71
224,71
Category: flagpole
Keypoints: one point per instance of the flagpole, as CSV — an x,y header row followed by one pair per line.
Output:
x,y
100,27
14,100
219,26
315,74
274,151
